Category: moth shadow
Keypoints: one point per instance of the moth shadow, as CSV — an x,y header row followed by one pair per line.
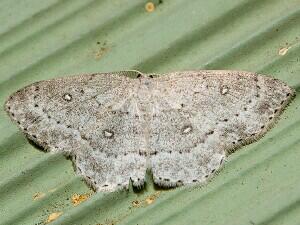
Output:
x,y
37,146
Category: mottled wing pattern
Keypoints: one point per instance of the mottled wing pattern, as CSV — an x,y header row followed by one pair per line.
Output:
x,y
90,118
181,125
199,117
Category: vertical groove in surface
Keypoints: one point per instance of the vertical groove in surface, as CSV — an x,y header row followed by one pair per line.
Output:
x,y
44,39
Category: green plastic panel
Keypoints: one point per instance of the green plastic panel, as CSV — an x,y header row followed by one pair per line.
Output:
x,y
260,184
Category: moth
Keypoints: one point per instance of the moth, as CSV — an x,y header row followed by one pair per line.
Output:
x,y
180,125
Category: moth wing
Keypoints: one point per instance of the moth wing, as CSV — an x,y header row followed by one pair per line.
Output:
x,y
92,119
200,117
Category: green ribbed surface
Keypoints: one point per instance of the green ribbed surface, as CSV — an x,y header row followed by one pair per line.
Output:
x,y
39,40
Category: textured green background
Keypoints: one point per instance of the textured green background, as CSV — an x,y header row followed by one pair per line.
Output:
x,y
260,184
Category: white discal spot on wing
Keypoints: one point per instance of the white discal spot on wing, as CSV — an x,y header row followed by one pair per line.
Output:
x,y
108,133
187,129
224,90
67,97
179,125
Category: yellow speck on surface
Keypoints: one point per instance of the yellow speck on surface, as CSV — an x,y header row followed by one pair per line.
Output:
x,y
150,7
38,195
100,52
152,198
53,216
136,203
148,201
283,51
77,198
